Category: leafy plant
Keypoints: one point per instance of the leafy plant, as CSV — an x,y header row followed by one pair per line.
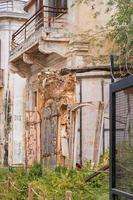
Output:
x,y
121,24
52,184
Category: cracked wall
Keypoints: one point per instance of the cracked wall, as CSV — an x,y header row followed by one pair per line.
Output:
x,y
58,92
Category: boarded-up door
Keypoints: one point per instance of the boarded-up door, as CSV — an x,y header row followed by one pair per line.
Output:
x,y
32,138
49,135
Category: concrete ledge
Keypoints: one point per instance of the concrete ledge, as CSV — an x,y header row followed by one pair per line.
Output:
x,y
10,14
35,38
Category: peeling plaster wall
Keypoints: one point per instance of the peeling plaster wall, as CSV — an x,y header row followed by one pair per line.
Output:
x,y
14,142
32,138
16,137
58,91
55,62
80,52
53,92
91,90
19,5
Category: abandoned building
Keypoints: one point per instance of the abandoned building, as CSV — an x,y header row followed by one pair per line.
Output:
x,y
61,51
12,16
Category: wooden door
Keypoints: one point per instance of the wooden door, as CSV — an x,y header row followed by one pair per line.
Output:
x,y
49,135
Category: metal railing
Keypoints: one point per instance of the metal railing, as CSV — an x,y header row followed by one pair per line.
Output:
x,y
47,17
6,6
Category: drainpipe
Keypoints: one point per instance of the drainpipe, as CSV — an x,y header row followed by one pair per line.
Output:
x,y
102,87
81,123
112,67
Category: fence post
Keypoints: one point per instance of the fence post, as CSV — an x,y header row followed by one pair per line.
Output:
x,y
9,184
30,193
68,195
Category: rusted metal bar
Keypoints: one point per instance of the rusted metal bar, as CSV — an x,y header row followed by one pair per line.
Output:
x,y
25,33
26,23
33,18
48,15
101,170
84,69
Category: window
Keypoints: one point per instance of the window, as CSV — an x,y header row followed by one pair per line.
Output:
x,y
63,4
39,4
39,19
57,5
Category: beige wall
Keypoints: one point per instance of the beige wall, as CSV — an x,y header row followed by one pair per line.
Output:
x,y
95,89
19,5
84,23
83,16
8,25
87,23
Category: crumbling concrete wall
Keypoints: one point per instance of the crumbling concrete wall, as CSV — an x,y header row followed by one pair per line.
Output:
x,y
82,43
10,20
58,92
32,138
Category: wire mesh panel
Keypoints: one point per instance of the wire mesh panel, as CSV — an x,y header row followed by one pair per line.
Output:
x,y
121,156
124,140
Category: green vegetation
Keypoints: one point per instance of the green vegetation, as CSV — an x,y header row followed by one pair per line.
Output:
x,y
121,24
52,184
124,165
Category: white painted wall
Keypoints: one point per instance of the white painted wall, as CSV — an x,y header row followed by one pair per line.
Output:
x,y
18,130
16,86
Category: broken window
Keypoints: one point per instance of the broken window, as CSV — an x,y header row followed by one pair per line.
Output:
x,y
57,6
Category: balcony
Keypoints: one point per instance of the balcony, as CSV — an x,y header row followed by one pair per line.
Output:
x,y
47,17
38,39
12,9
1,78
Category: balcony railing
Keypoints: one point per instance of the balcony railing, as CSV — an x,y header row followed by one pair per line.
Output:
x,y
1,78
47,17
6,6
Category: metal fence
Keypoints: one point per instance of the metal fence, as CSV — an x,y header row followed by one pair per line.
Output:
x,y
47,17
121,139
